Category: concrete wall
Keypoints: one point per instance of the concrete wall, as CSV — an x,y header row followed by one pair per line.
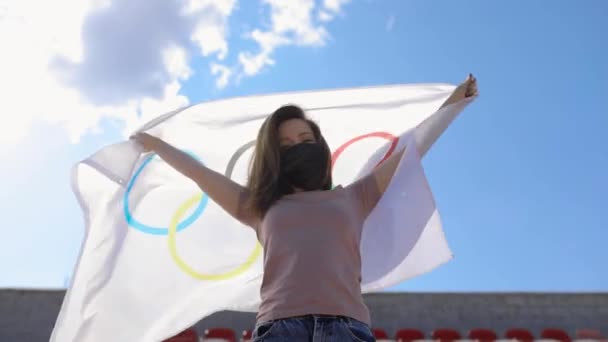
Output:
x,y
30,315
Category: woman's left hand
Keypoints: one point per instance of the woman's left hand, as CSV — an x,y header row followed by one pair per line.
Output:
x,y
466,89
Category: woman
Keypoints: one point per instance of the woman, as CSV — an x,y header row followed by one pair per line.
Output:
x,y
310,230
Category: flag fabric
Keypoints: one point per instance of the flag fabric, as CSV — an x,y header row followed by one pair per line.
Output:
x,y
159,255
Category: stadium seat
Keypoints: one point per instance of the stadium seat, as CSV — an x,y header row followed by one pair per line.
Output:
x,y
219,334
522,335
446,335
380,334
555,334
409,335
589,334
483,335
247,336
188,335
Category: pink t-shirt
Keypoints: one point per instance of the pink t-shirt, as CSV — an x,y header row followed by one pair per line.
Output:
x,y
312,262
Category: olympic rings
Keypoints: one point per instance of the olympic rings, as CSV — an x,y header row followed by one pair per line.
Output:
x,y
202,199
133,222
335,155
388,136
183,208
235,157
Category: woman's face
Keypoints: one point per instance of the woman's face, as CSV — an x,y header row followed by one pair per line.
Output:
x,y
295,131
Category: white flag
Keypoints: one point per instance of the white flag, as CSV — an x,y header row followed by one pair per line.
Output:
x,y
159,254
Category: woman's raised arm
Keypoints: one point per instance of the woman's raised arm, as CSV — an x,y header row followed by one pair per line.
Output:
x,y
231,196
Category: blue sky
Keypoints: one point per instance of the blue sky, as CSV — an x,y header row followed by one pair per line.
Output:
x,y
520,178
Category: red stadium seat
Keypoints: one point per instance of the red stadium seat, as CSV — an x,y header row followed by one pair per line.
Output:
x,y
220,333
380,334
589,334
484,335
188,335
247,335
409,335
555,334
522,335
446,335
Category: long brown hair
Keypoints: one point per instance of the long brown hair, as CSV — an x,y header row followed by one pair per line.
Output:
x,y
265,183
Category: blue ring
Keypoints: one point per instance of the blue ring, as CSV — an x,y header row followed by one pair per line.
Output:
x,y
133,222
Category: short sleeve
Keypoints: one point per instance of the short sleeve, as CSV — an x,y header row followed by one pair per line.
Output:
x,y
365,194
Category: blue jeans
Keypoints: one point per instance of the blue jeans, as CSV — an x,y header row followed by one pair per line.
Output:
x,y
313,328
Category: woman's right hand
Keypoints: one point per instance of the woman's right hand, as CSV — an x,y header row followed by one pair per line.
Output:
x,y
147,141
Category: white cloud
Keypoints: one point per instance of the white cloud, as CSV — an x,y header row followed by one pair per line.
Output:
x,y
123,51
75,62
211,40
294,19
325,16
331,8
291,23
390,23
176,63
210,33
223,73
267,41
222,7
335,6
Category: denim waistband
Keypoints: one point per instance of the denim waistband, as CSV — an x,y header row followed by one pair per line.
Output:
x,y
313,317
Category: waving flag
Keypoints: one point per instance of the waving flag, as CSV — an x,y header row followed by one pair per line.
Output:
x,y
159,254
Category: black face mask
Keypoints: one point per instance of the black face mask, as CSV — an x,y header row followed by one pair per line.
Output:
x,y
305,166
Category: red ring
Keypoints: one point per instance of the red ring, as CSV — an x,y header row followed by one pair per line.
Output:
x,y
388,136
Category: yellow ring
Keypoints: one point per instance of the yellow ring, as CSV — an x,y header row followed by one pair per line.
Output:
x,y
181,211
